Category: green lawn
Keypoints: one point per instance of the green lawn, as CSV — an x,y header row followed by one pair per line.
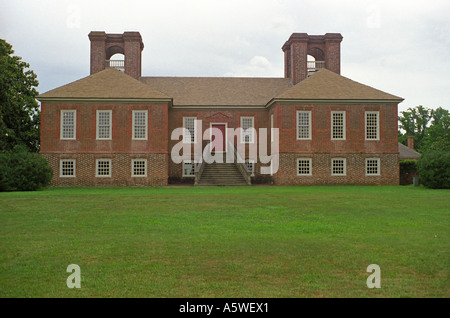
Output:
x,y
225,241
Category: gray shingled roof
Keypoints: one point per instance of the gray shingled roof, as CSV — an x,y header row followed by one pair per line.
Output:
x,y
109,83
219,91
406,152
328,85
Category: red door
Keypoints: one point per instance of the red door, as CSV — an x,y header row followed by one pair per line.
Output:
x,y
218,137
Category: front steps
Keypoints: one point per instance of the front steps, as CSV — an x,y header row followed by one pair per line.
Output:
x,y
221,174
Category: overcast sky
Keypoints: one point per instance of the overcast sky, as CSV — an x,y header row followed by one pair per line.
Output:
x,y
400,47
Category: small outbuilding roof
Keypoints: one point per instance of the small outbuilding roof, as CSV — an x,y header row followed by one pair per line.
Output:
x,y
405,152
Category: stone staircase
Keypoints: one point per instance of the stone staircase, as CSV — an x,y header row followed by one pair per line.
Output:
x,y
221,174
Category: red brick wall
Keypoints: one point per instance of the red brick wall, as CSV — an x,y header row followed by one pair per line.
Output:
x,y
323,47
161,122
121,141
321,148
285,118
104,45
120,149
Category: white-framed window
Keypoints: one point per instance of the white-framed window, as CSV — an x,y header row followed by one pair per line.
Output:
x,y
68,124
372,125
188,168
372,166
139,167
338,167
304,167
247,125
338,125
190,130
104,124
67,168
303,125
103,168
250,163
140,124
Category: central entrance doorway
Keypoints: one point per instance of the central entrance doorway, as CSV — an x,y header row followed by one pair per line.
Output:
x,y
219,137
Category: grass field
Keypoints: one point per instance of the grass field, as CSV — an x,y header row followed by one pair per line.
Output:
x,y
225,242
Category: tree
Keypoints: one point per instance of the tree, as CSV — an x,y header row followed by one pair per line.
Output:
x,y
414,122
434,169
438,134
19,110
429,127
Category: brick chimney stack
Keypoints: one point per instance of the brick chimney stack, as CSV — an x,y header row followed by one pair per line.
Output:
x,y
326,49
104,46
411,142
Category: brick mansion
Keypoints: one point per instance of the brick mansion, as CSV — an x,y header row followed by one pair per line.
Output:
x,y
115,126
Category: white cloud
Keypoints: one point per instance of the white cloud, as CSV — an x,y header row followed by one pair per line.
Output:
x,y
258,66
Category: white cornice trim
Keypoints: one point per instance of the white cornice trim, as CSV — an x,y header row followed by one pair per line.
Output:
x,y
107,100
218,107
333,101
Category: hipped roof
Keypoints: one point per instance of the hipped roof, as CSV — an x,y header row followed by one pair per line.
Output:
x,y
107,84
327,85
110,83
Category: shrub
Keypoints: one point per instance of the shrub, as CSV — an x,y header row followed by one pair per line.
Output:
x,y
23,171
407,168
434,169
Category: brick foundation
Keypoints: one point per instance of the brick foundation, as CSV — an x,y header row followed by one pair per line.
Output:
x,y
321,170
157,170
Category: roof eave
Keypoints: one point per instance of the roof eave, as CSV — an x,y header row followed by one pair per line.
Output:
x,y
332,101
217,106
103,99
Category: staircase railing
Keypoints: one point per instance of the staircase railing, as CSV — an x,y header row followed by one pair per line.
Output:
x,y
199,167
240,163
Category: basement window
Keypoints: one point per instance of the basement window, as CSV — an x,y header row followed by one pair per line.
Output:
x,y
188,169
250,166
139,167
372,166
67,168
338,167
304,167
103,168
